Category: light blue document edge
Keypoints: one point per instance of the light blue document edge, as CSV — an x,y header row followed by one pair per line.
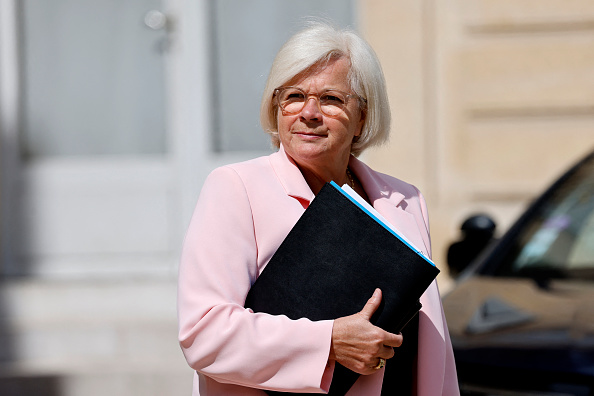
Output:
x,y
382,223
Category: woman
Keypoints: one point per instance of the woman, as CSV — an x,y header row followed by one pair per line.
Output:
x,y
324,103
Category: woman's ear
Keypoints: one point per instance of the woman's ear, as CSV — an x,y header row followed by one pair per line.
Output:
x,y
362,121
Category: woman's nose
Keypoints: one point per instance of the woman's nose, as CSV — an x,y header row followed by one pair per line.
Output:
x,y
311,110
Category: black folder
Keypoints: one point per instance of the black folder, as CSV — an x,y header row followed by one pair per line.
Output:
x,y
331,262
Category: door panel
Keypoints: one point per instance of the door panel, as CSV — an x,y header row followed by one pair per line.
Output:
x,y
124,210
95,171
93,78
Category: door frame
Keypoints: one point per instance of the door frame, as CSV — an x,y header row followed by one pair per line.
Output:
x,y
9,132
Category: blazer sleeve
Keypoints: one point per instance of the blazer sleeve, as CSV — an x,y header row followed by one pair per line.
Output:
x,y
219,337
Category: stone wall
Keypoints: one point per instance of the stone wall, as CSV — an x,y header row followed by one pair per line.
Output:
x,y
491,101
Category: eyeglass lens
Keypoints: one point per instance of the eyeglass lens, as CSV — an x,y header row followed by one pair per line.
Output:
x,y
331,103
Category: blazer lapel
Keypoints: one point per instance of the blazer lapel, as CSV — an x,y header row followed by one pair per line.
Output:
x,y
290,177
383,196
389,203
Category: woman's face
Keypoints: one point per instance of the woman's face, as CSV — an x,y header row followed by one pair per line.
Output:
x,y
313,139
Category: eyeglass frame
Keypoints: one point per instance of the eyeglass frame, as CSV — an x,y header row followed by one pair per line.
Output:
x,y
362,101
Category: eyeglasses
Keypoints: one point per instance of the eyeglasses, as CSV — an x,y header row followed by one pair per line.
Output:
x,y
332,103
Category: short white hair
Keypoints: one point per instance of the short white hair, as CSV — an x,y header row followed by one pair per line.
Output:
x,y
316,45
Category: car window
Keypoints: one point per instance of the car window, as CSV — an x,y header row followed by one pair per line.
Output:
x,y
559,240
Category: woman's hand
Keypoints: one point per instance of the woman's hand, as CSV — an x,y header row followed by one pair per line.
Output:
x,y
357,344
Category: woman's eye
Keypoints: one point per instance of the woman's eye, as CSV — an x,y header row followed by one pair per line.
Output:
x,y
329,98
294,96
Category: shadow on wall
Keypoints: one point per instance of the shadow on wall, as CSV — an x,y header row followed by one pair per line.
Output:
x,y
12,382
29,386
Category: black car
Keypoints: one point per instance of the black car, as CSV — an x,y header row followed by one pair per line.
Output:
x,y
521,316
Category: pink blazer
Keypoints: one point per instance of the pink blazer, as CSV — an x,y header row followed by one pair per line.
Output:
x,y
244,212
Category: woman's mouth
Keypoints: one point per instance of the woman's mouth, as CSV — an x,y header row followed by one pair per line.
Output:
x,y
309,135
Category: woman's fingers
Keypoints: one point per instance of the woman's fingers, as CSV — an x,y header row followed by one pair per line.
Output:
x,y
372,305
392,340
386,352
357,344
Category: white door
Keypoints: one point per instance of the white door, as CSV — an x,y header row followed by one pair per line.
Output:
x,y
113,112
91,186
91,145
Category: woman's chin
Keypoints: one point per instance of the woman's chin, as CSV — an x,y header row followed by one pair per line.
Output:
x,y
309,150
